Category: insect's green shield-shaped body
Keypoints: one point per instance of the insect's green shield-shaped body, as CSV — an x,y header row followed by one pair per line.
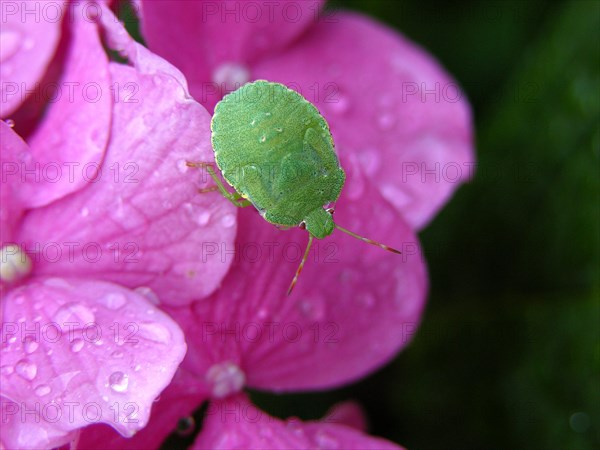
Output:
x,y
276,150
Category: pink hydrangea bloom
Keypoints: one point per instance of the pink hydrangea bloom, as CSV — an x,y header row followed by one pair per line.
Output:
x,y
234,423
98,226
392,109
355,306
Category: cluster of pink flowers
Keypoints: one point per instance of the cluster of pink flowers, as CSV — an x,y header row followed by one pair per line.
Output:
x,y
128,298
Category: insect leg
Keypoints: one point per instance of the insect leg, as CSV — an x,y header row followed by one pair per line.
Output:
x,y
301,266
234,198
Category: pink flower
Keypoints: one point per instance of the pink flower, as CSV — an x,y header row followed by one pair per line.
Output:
x,y
234,423
355,306
99,225
392,109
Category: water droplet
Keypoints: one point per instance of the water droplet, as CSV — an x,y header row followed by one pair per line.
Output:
x,y
12,340
228,220
386,121
85,212
15,264
226,378
370,161
74,316
137,368
367,299
263,138
30,346
325,440
117,354
105,398
203,218
580,422
98,342
182,166
77,345
10,123
114,301
118,381
155,332
268,114
395,195
262,313
279,129
355,188
313,309
339,104
26,369
42,389
28,43
57,283
230,76
7,370
10,42
149,294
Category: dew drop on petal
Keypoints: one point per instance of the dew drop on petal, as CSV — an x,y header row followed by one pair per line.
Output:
x,y
226,378
10,42
74,316
313,308
182,166
230,76
386,121
30,346
6,370
228,220
77,345
355,188
42,389
26,369
325,440
339,103
117,354
203,218
114,300
367,300
84,212
118,381
155,332
10,123
370,160
149,294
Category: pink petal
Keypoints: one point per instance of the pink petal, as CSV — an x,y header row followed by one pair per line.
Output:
x,y
84,352
347,413
142,222
355,305
211,35
389,103
14,428
178,400
11,184
28,39
68,145
237,424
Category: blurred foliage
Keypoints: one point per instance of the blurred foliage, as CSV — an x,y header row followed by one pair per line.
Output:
x,y
508,355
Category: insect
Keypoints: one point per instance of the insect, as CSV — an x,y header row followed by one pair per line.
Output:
x,y
275,149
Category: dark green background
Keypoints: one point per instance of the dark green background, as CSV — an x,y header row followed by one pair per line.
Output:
x,y
508,352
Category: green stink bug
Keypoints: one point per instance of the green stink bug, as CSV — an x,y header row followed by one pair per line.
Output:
x,y
275,149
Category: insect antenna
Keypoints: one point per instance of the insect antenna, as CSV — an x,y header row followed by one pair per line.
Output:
x,y
301,266
368,241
